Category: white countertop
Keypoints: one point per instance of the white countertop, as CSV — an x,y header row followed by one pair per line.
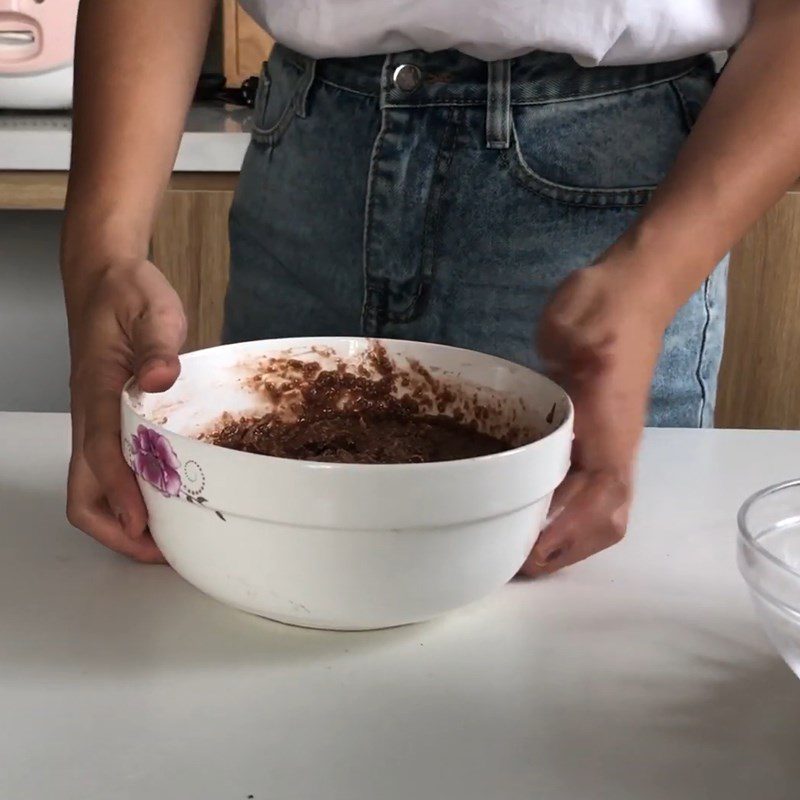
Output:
x,y
215,140
639,675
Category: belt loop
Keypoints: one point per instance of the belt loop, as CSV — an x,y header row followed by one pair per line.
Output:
x,y
386,78
310,69
498,105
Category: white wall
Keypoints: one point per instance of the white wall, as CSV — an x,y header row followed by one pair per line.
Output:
x,y
34,361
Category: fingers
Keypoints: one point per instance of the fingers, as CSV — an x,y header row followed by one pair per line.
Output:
x,y
591,513
97,386
601,343
572,335
157,336
98,466
88,511
565,494
132,322
589,510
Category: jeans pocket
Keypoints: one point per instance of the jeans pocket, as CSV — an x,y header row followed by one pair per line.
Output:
x,y
605,151
280,87
693,90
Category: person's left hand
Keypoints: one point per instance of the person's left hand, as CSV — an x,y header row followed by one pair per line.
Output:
x,y
600,338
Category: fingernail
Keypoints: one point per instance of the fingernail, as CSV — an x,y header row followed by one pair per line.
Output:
x,y
154,362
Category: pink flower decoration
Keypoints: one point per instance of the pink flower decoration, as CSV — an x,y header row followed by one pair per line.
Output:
x,y
155,461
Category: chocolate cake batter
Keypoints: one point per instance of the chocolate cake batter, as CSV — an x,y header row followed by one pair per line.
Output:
x,y
355,417
360,439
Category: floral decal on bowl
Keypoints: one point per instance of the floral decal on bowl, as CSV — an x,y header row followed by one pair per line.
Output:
x,y
153,459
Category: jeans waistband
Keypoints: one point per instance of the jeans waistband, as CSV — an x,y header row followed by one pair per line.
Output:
x,y
449,77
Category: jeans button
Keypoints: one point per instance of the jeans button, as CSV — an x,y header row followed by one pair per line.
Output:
x,y
407,77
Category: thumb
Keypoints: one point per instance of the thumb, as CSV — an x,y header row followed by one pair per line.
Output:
x,y
157,338
158,373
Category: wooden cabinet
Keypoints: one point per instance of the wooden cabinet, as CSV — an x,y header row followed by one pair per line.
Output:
x,y
190,239
190,245
760,380
246,45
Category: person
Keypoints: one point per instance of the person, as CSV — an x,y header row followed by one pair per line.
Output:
x,y
460,172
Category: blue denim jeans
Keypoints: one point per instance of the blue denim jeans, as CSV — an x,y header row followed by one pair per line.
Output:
x,y
440,198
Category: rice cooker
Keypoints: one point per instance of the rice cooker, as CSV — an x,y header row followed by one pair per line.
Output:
x,y
37,43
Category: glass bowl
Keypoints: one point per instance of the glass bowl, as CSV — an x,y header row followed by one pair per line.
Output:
x,y
769,560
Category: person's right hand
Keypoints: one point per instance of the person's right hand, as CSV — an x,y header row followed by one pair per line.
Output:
x,y
127,321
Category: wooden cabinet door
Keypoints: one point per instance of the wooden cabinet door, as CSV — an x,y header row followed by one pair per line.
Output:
x,y
190,246
760,380
246,45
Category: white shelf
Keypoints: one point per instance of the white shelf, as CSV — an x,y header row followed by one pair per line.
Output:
x,y
215,140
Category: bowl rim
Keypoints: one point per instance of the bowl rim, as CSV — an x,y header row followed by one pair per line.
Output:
x,y
747,536
428,466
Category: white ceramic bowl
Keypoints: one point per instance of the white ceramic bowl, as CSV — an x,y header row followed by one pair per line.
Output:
x,y
769,560
342,546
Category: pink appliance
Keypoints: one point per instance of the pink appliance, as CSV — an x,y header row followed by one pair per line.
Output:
x,y
37,42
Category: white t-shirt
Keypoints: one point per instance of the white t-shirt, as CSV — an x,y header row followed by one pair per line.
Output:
x,y
593,31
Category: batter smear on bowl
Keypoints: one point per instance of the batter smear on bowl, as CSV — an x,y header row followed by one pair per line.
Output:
x,y
373,413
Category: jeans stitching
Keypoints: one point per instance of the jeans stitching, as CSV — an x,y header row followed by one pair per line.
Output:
x,y
498,106
342,88
491,97
685,113
271,135
569,195
548,100
367,308
505,125
308,80
702,353
607,93
444,157
274,132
